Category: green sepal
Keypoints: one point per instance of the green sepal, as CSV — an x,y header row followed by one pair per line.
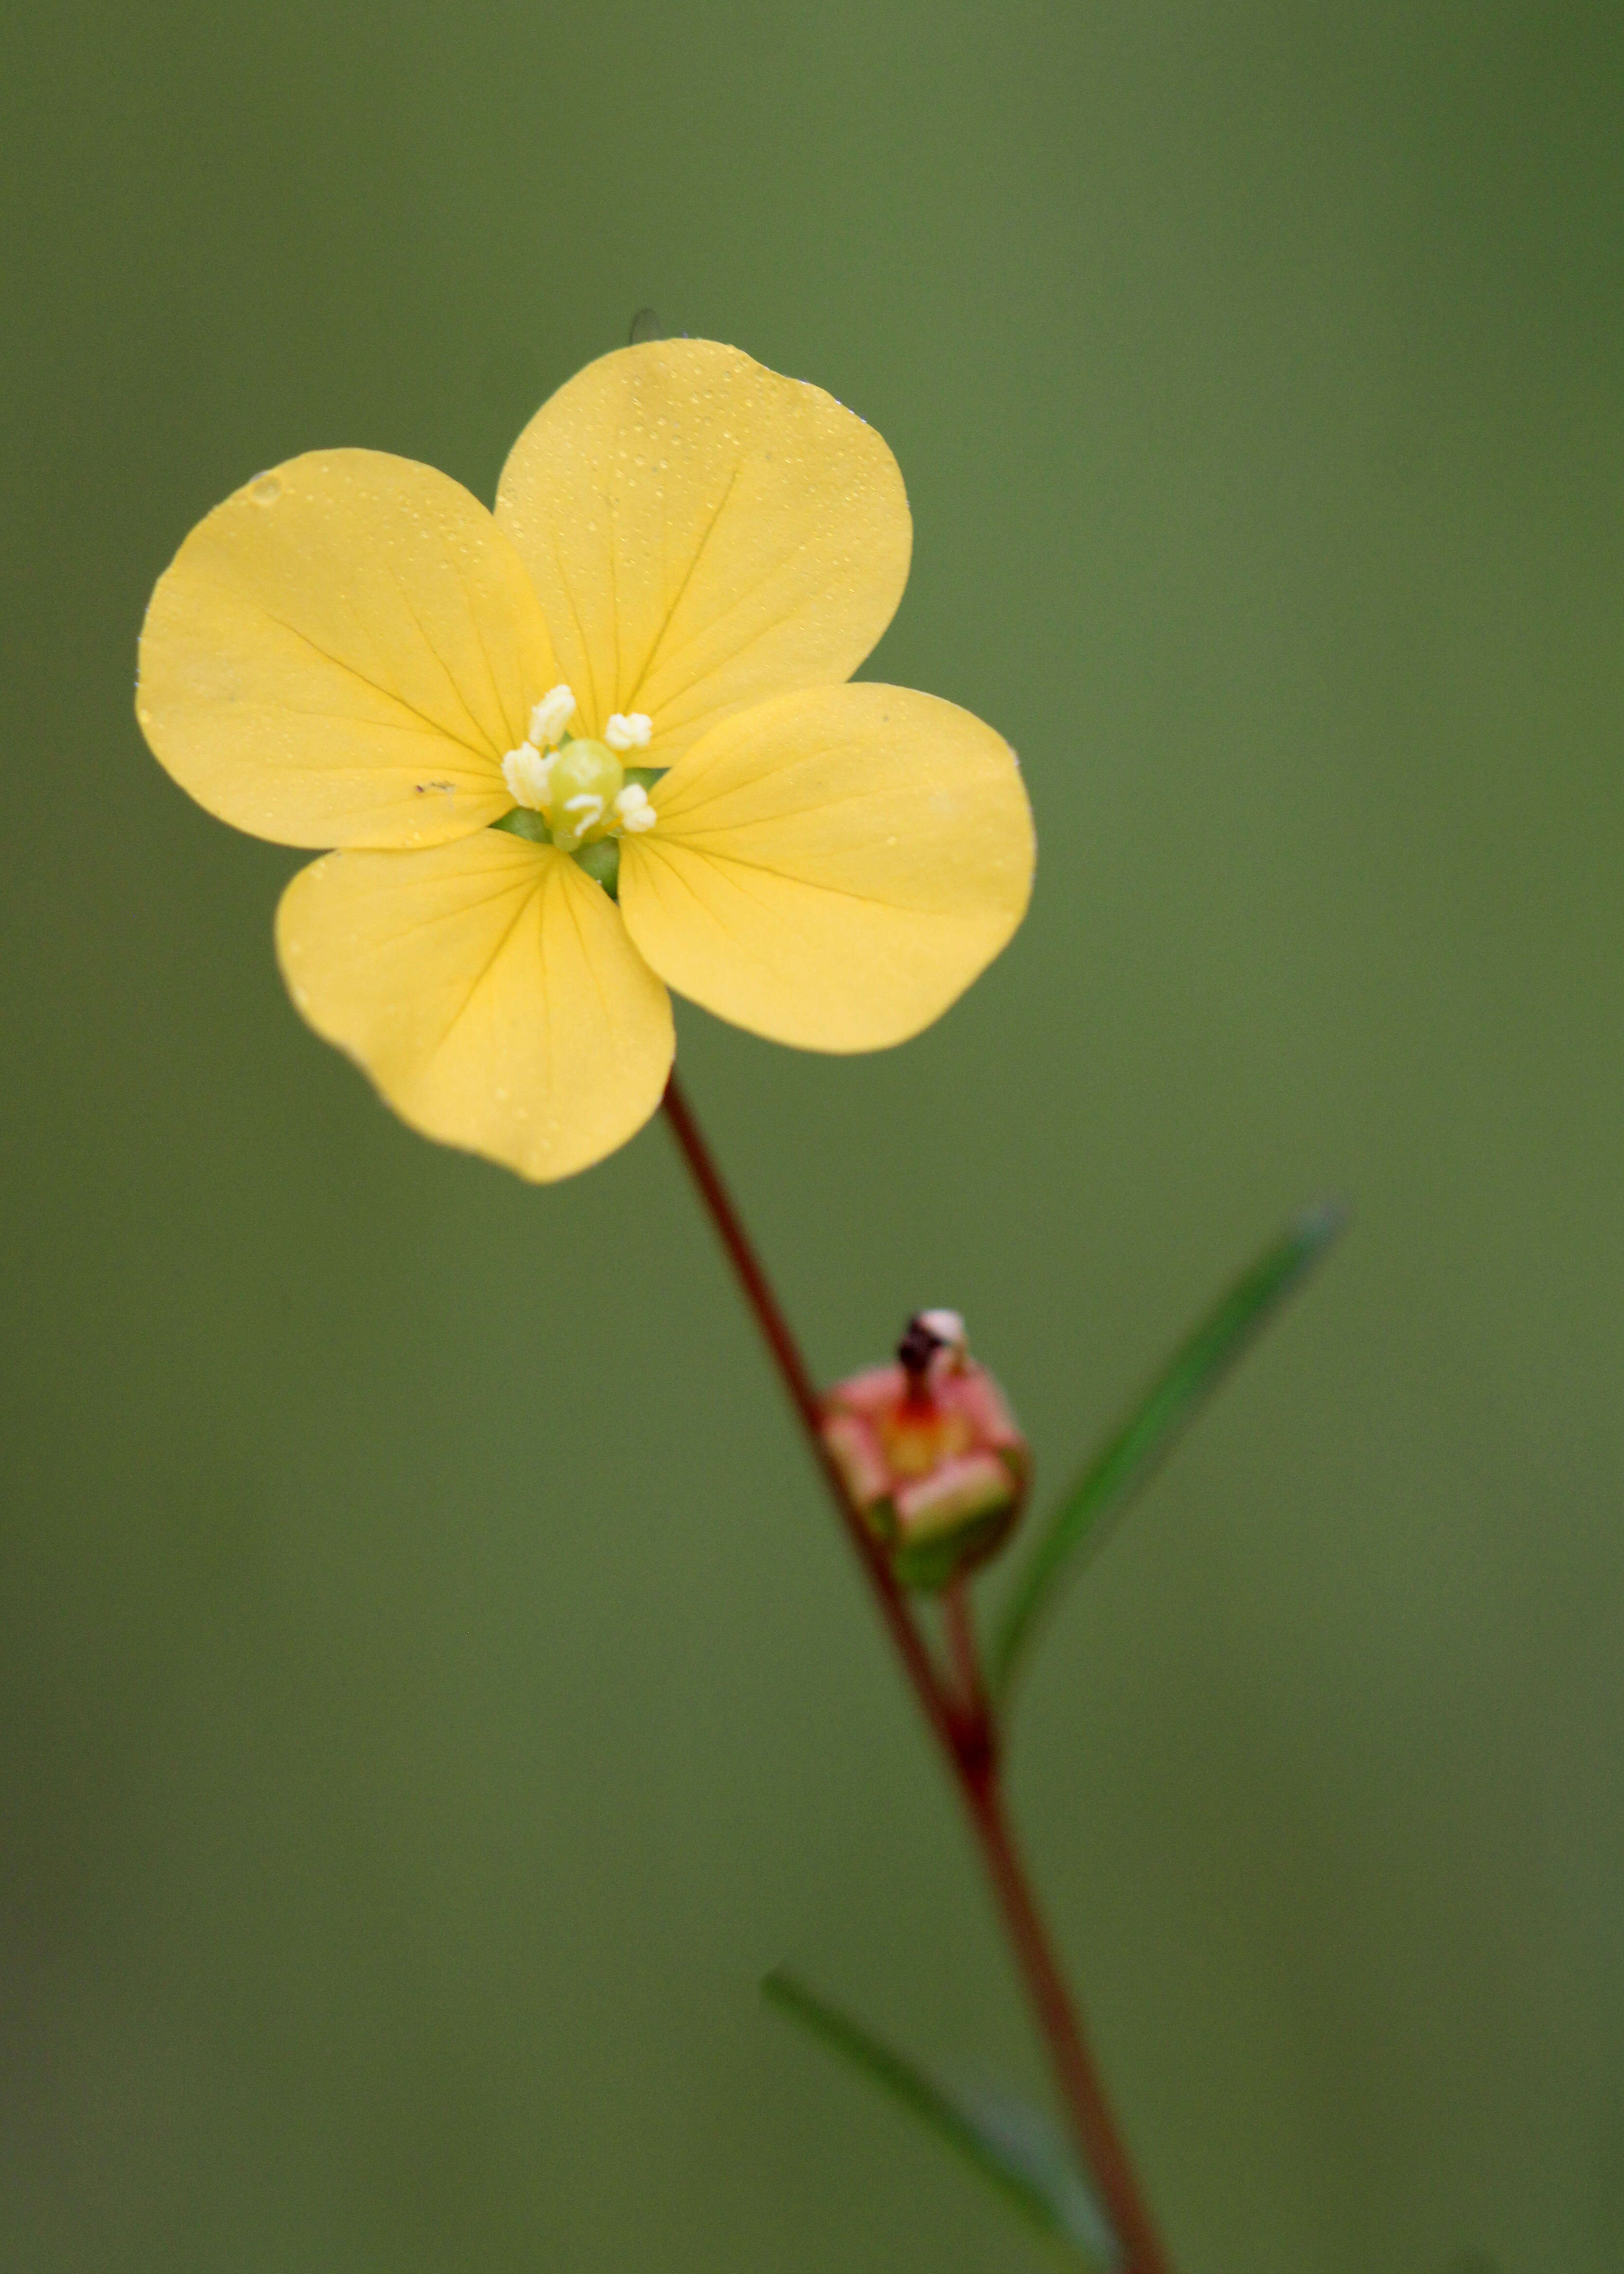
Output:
x,y
1006,2143
646,777
602,863
525,821
1131,1455
926,1567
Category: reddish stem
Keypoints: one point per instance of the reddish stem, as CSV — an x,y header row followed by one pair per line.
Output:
x,y
1104,2151
804,1397
958,1619
964,1726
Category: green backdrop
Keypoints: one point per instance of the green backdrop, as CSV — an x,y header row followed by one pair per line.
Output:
x,y
432,1691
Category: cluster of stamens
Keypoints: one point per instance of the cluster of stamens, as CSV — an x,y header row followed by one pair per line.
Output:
x,y
577,783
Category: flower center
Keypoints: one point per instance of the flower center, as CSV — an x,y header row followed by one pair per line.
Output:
x,y
573,791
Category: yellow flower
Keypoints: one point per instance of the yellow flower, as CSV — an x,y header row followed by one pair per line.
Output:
x,y
632,678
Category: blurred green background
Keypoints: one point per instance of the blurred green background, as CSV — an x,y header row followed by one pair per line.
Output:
x,y
432,1691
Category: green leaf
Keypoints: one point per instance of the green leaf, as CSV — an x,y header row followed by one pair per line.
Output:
x,y
1010,2144
1130,1457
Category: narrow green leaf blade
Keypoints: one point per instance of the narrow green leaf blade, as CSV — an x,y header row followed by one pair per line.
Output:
x,y
1131,1455
1038,2149
1011,2145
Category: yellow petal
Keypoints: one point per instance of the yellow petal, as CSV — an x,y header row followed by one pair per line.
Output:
x,y
704,534
490,991
341,653
833,870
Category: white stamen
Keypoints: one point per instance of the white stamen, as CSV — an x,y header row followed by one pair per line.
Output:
x,y
550,716
588,807
628,730
947,1327
633,810
527,774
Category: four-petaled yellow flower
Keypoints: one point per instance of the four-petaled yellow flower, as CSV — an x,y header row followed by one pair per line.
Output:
x,y
630,681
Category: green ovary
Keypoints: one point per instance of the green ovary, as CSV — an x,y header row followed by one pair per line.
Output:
x,y
587,777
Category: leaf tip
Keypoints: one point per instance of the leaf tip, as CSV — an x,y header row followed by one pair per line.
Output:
x,y
1319,1225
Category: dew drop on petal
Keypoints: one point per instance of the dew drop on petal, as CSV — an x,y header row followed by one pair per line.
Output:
x,y
265,490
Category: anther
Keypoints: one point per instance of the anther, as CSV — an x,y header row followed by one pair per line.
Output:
x,y
633,810
550,716
527,774
628,730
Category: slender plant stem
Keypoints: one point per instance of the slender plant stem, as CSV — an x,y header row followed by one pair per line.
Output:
x,y
963,1721
963,1651
1104,2151
803,1396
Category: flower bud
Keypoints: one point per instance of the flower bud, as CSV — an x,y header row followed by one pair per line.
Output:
x,y
930,1453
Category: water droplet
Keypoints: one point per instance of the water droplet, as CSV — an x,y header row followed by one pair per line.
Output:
x,y
266,489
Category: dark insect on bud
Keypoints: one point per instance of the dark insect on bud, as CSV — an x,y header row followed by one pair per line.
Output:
x,y
917,1348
